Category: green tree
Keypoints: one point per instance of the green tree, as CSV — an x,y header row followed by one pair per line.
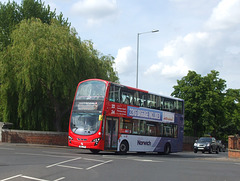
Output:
x,y
232,112
190,88
204,110
12,14
213,108
98,65
41,71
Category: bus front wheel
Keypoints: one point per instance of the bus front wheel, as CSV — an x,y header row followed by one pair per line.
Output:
x,y
94,151
124,147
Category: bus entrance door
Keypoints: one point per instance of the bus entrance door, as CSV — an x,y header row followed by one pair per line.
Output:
x,y
111,134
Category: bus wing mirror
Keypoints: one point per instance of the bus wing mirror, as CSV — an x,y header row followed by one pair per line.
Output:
x,y
100,118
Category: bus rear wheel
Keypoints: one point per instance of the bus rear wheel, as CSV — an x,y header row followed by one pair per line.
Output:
x,y
124,147
167,149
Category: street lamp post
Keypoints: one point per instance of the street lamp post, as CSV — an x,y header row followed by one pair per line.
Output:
x,y
153,31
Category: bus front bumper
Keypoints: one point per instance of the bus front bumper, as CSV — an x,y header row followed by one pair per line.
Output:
x,y
84,145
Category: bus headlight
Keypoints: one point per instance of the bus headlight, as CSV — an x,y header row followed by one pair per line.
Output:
x,y
96,141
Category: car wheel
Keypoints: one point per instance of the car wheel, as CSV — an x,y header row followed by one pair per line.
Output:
x,y
210,150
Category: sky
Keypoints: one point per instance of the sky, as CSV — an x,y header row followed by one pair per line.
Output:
x,y
196,35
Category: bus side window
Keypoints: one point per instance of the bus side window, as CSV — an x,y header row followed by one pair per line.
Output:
x,y
127,100
151,129
111,93
180,107
127,96
114,93
151,101
158,102
143,98
137,99
136,126
142,127
175,131
160,129
162,103
126,126
168,130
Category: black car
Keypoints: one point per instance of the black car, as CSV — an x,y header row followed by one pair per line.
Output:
x,y
208,144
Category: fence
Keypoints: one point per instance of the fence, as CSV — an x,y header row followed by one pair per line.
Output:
x,y
35,137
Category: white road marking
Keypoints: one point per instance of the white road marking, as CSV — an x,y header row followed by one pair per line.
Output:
x,y
59,163
12,177
98,165
66,166
93,160
32,178
60,179
142,160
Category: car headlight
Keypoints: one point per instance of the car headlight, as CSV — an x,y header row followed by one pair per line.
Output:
x,y
208,144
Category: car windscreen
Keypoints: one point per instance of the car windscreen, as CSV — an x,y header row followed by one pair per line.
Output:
x,y
203,140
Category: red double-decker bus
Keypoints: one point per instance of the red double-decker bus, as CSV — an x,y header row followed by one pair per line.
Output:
x,y
113,117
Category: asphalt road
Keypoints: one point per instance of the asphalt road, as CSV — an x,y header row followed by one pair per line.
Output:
x,y
20,162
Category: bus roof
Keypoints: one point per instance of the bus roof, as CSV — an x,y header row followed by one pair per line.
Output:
x,y
136,89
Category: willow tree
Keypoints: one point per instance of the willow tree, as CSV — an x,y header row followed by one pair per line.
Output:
x,y
12,14
45,64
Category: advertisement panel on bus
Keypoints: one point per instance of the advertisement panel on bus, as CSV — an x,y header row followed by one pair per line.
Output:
x,y
115,109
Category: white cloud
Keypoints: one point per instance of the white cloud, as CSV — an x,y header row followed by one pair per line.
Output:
x,y
179,68
190,52
95,10
175,70
206,50
125,61
53,5
225,16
